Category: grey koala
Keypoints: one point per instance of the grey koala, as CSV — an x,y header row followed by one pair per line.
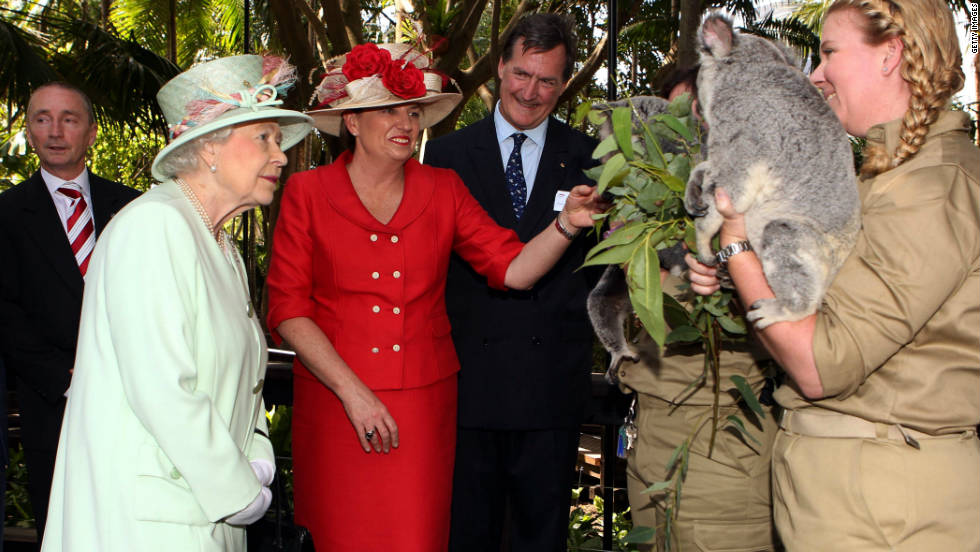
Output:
x,y
609,307
783,157
609,303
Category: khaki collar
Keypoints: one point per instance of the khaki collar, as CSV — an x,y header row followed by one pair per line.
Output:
x,y
888,133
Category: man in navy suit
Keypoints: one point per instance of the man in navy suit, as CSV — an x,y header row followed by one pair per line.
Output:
x,y
48,226
525,355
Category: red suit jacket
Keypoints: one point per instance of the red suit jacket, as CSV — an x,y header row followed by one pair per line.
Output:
x,y
378,290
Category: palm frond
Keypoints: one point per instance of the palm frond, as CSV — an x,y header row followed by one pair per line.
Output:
x,y
795,33
24,66
120,76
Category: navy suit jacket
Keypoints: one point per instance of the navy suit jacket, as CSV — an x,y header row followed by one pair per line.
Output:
x,y
525,355
40,284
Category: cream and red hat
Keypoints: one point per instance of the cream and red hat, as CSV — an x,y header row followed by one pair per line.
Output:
x,y
380,75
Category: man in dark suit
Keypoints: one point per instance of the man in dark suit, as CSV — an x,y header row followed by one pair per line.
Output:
x,y
525,355
48,226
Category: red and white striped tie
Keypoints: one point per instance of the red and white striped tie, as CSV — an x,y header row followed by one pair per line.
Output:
x,y
81,231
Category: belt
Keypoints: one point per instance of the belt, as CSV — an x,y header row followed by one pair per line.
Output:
x,y
839,425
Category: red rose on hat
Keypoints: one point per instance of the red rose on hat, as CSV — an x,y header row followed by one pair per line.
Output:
x,y
404,82
366,60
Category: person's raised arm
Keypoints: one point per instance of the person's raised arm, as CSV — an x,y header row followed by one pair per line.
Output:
x,y
543,251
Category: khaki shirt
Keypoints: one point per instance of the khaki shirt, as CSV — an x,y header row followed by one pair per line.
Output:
x,y
897,339
668,377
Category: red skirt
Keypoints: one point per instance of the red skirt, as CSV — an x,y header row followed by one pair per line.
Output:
x,y
359,502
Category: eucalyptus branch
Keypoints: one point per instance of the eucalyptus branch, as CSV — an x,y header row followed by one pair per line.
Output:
x,y
645,171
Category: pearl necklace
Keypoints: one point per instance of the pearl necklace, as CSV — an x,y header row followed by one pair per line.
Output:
x,y
196,203
222,239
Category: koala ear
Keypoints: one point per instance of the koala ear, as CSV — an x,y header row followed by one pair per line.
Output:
x,y
716,35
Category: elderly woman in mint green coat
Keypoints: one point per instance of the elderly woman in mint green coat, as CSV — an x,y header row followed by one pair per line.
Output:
x,y
164,443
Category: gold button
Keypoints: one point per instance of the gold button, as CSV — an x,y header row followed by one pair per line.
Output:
x,y
375,350
397,274
375,275
394,239
374,237
376,308
396,348
258,387
396,310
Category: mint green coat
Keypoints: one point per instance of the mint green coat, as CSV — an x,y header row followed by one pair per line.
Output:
x,y
165,400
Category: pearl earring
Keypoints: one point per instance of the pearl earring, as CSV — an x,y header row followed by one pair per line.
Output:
x,y
213,168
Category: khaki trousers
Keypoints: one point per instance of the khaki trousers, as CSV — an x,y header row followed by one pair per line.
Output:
x,y
864,494
725,500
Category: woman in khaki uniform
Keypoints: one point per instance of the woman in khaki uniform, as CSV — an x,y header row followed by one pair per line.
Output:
x,y
878,449
725,500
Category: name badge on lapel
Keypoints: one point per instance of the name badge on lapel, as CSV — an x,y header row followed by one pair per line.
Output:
x,y
560,197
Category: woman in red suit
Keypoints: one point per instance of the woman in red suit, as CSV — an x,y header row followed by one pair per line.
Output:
x,y
356,287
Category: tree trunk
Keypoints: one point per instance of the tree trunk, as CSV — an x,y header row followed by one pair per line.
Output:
x,y
687,53
104,9
172,31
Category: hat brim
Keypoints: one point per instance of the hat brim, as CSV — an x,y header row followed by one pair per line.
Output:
x,y
436,106
294,125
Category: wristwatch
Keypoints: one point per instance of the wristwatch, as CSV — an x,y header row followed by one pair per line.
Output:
x,y
731,250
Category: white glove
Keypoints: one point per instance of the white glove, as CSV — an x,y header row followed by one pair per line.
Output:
x,y
254,511
264,471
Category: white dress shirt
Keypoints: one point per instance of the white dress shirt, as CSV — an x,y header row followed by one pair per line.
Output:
x,y
64,204
530,150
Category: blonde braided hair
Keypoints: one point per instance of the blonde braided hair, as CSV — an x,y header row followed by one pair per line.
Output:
x,y
931,65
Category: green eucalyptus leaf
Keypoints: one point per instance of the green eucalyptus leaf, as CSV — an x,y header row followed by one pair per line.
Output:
x,y
683,334
648,197
598,116
674,313
612,170
681,105
659,485
641,535
614,255
737,424
674,183
607,145
690,238
581,111
680,166
731,325
646,296
628,212
622,121
674,456
675,125
627,234
713,308
747,395
593,173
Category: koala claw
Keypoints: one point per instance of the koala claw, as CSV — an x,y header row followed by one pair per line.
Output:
x,y
765,312
612,374
707,259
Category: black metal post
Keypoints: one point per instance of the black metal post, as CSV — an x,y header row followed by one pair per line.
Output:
x,y
613,25
249,215
609,432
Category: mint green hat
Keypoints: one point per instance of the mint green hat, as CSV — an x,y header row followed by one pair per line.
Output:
x,y
225,92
